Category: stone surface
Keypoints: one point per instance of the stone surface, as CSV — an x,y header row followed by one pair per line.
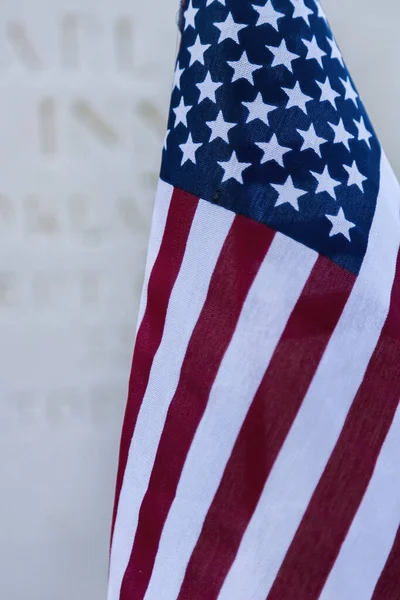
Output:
x,y
84,92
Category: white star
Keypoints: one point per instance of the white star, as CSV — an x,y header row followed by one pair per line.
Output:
x,y
297,98
211,1
233,169
340,225
363,133
197,51
320,10
243,68
258,109
282,56
351,93
190,14
220,128
178,75
311,140
166,139
327,92
301,11
207,88
229,29
189,150
341,134
288,193
273,151
326,183
181,112
335,51
314,51
268,15
355,177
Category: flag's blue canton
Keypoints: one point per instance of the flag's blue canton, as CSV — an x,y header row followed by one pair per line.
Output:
x,y
265,121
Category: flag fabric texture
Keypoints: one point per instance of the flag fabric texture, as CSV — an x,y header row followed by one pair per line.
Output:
x,y
260,450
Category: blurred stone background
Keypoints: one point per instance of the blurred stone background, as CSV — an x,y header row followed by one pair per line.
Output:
x,y
84,92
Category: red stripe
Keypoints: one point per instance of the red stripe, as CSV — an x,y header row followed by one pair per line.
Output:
x,y
342,486
266,426
388,586
244,250
162,279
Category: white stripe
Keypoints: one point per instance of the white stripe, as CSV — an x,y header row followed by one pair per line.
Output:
x,y
208,232
372,533
270,301
160,213
316,429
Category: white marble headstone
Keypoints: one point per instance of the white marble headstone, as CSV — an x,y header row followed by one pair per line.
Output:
x,y
84,93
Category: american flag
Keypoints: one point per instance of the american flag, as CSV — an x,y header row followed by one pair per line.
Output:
x,y
260,449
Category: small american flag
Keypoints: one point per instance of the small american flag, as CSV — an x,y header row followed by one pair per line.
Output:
x,y
260,450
